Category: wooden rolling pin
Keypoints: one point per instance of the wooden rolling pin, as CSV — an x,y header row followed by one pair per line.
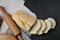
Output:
x,y
8,19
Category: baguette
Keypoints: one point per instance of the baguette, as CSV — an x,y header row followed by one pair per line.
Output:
x,y
36,27
48,25
53,22
43,27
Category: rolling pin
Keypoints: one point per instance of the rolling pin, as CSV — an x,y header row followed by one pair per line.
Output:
x,y
13,27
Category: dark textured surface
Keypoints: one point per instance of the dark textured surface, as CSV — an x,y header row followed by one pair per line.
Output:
x,y
44,9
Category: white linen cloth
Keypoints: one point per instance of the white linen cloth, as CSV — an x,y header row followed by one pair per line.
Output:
x,y
11,6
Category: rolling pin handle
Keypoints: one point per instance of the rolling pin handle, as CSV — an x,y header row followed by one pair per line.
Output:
x,y
19,37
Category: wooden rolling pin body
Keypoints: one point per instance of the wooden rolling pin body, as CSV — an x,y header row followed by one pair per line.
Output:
x,y
8,19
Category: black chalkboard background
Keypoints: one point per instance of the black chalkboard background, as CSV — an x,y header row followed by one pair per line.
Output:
x,y
44,9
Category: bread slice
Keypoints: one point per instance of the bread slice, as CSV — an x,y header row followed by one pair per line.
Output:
x,y
24,20
36,27
43,27
6,37
53,22
48,25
